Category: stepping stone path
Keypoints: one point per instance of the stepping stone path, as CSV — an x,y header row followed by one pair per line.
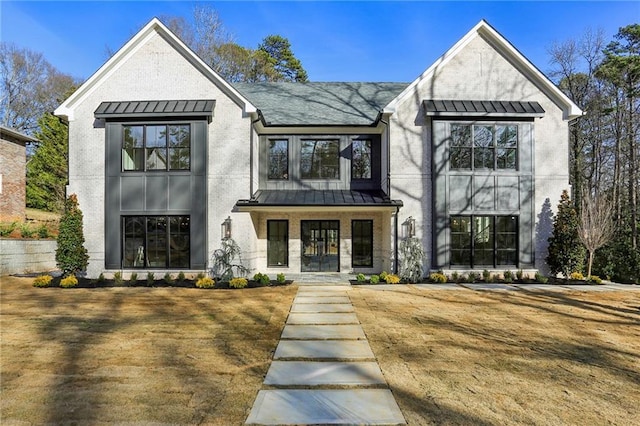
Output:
x,y
324,371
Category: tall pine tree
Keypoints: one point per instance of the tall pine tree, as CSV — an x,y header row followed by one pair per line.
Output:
x,y
566,252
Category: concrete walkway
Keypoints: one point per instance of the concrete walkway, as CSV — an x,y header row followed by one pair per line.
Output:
x,y
323,370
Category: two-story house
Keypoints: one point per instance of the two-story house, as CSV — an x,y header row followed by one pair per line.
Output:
x,y
167,158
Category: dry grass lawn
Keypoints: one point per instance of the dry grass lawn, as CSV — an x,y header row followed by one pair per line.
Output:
x,y
188,356
507,357
135,355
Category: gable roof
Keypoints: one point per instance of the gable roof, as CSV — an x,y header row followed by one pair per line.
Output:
x,y
154,27
328,104
12,135
504,47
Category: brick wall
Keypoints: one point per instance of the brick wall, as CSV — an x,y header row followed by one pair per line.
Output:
x,y
13,180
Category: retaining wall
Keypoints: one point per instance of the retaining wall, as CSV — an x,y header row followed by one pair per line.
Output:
x,y
27,256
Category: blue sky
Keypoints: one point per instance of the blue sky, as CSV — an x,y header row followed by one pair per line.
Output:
x,y
336,41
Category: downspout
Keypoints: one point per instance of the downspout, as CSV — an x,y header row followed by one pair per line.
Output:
x,y
395,221
251,156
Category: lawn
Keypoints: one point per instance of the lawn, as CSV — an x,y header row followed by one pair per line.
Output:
x,y
190,356
507,357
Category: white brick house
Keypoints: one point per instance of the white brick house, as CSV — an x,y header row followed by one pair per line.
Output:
x,y
316,177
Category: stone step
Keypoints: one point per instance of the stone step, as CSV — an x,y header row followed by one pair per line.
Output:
x,y
322,299
343,406
323,332
322,318
322,307
319,373
324,349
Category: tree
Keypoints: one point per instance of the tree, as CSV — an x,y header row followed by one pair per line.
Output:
x,y
71,255
30,86
595,224
47,169
566,252
411,260
285,64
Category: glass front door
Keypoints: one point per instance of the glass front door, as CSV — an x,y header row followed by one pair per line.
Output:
x,y
320,246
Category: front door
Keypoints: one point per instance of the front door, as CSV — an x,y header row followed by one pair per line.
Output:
x,y
320,245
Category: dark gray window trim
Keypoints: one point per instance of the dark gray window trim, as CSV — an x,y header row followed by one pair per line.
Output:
x,y
471,247
369,264
472,147
285,264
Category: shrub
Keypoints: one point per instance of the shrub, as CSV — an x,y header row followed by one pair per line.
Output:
x,y
168,279
133,278
411,260
361,278
205,282
392,279
27,231
181,276
7,228
227,261
200,275
280,278
437,277
541,278
43,231
383,275
71,255
486,276
576,276
260,278
42,281
69,281
117,277
241,282
150,278
374,279
473,277
595,279
101,278
519,274
455,276
507,276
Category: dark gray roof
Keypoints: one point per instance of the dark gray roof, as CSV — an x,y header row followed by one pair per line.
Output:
x,y
329,104
482,108
306,197
175,108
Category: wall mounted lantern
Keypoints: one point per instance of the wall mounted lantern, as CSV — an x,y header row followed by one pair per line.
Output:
x,y
410,227
226,228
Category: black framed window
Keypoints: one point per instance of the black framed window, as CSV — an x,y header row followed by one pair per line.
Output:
x,y
277,243
278,157
362,243
147,147
156,242
320,159
483,146
361,159
484,241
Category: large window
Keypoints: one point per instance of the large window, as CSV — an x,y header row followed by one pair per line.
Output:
x,y
320,159
156,242
361,159
156,147
362,243
278,159
484,241
277,243
483,146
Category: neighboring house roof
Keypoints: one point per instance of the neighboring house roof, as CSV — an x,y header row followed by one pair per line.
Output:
x,y
502,45
325,104
141,109
311,198
153,27
482,108
12,135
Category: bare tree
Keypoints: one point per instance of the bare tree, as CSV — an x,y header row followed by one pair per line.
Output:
x,y
595,224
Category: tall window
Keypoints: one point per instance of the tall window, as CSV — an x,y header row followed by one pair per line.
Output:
x,y
484,241
156,147
362,243
483,146
277,243
278,159
320,159
156,241
361,159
